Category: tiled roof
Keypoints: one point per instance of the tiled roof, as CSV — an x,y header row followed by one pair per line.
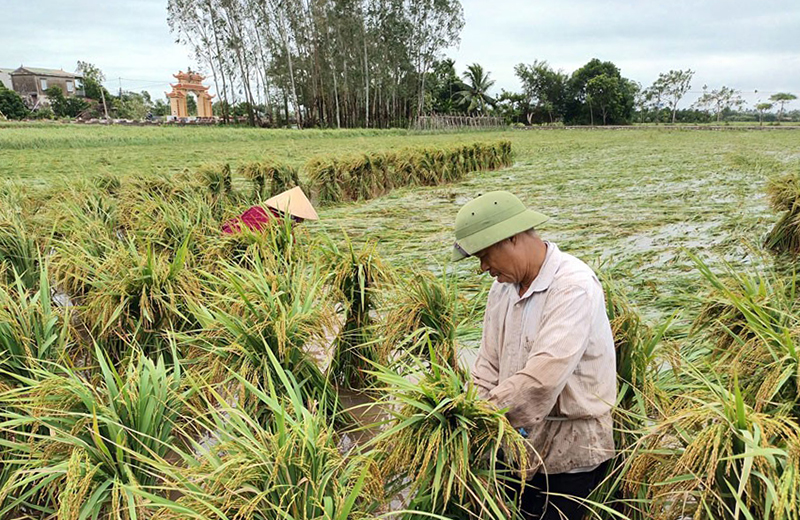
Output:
x,y
46,72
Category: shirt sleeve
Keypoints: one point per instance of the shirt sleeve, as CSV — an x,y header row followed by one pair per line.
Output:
x,y
531,393
486,371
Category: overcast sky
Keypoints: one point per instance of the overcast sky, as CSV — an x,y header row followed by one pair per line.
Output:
x,y
748,45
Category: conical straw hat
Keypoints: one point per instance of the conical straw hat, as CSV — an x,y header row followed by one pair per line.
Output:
x,y
295,203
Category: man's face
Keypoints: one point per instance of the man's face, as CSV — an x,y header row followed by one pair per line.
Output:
x,y
498,261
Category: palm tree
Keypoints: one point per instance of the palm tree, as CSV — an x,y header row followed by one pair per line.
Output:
x,y
475,97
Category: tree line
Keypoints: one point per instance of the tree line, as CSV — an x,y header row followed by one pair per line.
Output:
x,y
330,63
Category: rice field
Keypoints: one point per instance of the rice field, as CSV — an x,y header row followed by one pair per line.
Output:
x,y
153,367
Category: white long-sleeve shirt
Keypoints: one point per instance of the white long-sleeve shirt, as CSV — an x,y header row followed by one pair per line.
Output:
x,y
548,356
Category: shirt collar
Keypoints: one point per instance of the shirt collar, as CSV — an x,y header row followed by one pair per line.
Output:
x,y
547,272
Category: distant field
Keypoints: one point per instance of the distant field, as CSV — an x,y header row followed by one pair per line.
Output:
x,y
629,198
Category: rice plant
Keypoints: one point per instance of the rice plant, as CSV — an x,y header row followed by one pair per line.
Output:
x,y
132,289
92,451
19,252
217,180
356,276
33,333
370,175
258,311
451,450
784,196
713,457
639,398
278,177
326,179
290,468
425,318
754,320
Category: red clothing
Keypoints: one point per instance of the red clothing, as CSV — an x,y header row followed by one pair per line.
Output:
x,y
255,218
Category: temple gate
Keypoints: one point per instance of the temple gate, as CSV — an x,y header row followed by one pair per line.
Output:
x,y
189,82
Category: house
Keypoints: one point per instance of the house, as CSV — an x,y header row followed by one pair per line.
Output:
x,y
30,83
5,78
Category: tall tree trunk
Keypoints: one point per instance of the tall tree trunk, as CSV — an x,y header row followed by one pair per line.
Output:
x,y
366,81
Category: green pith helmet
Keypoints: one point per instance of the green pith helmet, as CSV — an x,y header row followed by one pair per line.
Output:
x,y
490,218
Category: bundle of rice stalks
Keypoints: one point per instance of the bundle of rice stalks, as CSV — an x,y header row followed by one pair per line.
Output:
x,y
636,345
404,167
712,456
506,155
259,174
132,289
355,278
74,258
444,445
269,177
263,309
290,468
284,177
784,196
363,179
426,317
371,175
19,252
326,178
429,167
216,177
92,451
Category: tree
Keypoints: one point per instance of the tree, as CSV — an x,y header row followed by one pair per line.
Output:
x,y
64,106
653,98
543,87
132,105
603,92
328,63
512,107
674,85
11,104
443,85
620,107
476,96
161,108
782,98
761,107
93,87
720,100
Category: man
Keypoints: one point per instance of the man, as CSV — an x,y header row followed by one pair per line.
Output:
x,y
292,202
547,353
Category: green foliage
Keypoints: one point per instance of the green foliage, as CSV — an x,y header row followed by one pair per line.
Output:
x,y
65,106
615,93
292,468
475,97
11,104
131,105
544,90
356,278
104,443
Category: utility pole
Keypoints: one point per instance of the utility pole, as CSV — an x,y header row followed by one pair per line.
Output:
x,y
103,97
